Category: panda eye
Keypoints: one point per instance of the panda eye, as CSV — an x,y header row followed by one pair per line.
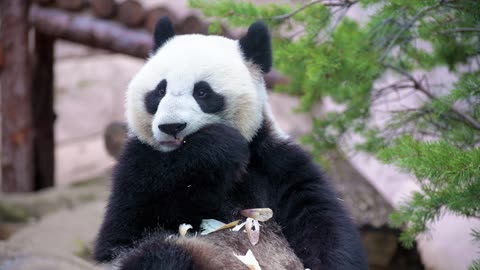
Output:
x,y
202,90
201,93
162,88
162,92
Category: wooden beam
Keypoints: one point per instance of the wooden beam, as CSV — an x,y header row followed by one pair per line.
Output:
x,y
131,13
90,31
1,56
43,2
155,13
43,114
16,110
192,24
104,34
104,8
73,5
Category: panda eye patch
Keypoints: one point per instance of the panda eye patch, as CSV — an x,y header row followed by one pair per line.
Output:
x,y
208,100
153,98
201,89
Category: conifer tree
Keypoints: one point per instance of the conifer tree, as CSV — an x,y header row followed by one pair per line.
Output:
x,y
327,54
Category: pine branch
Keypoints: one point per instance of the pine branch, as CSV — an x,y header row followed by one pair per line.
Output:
x,y
396,86
287,16
408,26
466,118
461,29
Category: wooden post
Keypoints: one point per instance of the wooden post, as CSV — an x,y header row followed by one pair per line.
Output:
x,y
43,114
15,101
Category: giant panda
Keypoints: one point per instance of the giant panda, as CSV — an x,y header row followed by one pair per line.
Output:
x,y
204,144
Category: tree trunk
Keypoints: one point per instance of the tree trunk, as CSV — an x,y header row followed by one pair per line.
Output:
x,y
43,114
15,101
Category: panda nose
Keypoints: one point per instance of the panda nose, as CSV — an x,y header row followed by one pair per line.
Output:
x,y
172,129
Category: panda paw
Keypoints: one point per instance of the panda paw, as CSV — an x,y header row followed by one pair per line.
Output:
x,y
217,145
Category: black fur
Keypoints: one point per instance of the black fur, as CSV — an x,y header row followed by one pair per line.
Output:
x,y
163,32
256,46
207,99
157,255
216,174
154,189
153,98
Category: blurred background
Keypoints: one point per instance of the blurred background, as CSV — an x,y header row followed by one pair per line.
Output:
x,y
385,94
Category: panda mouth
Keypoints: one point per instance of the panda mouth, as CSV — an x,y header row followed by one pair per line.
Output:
x,y
173,143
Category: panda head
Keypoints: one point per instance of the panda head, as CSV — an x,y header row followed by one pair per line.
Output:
x,y
191,81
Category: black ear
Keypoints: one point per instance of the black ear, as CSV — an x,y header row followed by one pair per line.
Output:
x,y
163,32
256,46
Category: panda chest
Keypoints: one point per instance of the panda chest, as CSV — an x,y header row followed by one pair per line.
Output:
x,y
253,190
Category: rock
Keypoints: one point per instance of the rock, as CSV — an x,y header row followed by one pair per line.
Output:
x,y
12,212
60,241
66,232
366,205
17,258
8,229
24,207
380,245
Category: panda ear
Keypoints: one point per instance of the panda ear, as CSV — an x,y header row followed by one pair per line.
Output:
x,y
256,46
163,32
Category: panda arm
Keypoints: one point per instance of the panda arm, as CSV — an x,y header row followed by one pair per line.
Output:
x,y
153,189
314,222
129,204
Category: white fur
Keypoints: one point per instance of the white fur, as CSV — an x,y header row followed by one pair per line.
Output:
x,y
183,61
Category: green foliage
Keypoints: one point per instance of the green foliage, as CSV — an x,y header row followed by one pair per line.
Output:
x,y
13,213
239,13
475,265
448,176
327,54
